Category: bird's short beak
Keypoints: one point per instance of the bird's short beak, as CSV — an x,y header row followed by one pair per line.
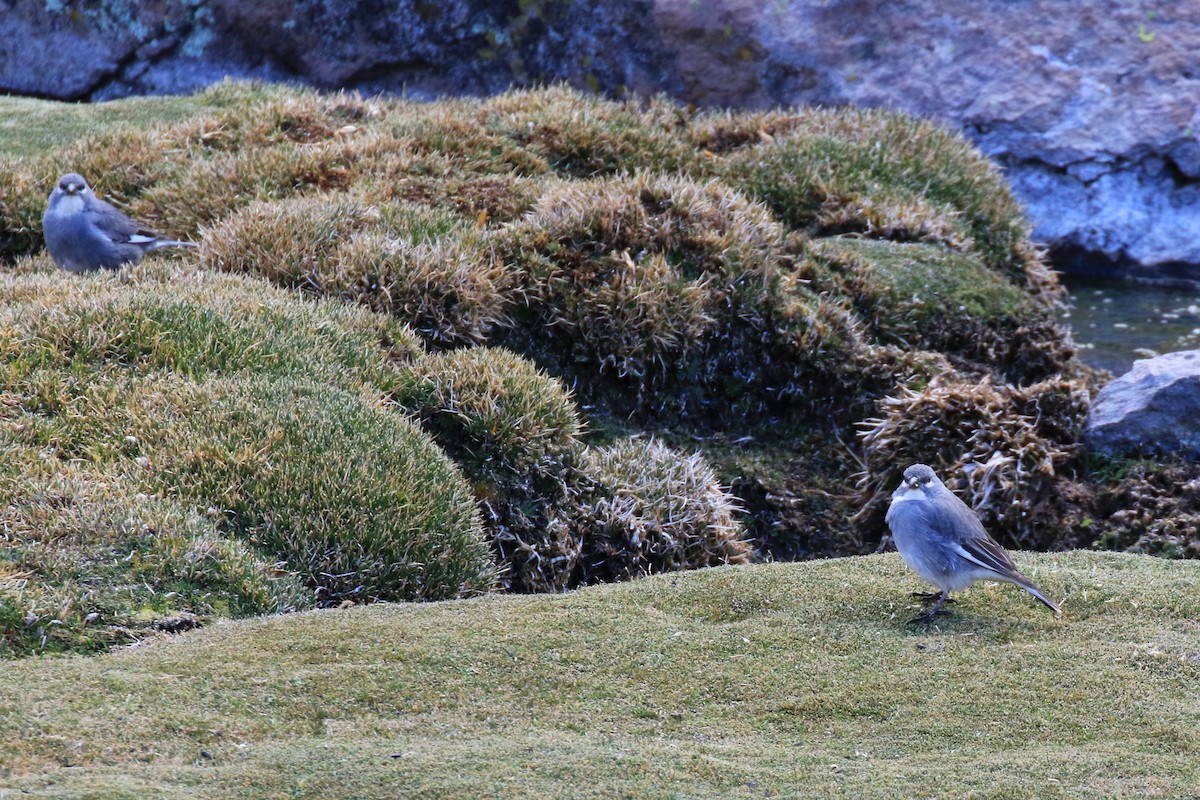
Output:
x,y
914,484
73,188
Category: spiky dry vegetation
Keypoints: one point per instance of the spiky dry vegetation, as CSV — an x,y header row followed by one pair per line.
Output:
x,y
358,388
1009,443
644,508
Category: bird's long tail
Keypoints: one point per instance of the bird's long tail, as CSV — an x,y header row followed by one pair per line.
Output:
x,y
1039,594
171,243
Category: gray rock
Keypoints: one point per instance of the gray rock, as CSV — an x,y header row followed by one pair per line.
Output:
x,y
1093,109
1153,408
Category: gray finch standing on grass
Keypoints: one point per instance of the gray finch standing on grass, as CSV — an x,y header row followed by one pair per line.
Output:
x,y
943,541
84,234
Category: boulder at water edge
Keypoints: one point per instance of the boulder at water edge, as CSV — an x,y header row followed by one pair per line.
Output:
x,y
1153,408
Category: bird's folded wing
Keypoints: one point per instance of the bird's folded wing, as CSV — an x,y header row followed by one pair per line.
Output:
x,y
961,529
116,226
988,554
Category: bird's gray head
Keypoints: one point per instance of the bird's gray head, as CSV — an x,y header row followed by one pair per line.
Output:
x,y
919,476
72,183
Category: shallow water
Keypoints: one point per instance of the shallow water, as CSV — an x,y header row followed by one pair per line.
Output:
x,y
1116,322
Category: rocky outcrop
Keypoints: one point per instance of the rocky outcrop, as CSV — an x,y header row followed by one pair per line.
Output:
x,y
1151,409
1092,110
422,48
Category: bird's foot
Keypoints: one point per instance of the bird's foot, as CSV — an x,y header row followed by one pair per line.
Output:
x,y
928,616
933,611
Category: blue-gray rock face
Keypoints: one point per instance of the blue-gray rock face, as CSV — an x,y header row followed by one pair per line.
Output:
x,y
1093,109
1152,409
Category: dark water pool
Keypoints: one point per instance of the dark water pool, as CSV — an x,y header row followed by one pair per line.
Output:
x,y
1116,322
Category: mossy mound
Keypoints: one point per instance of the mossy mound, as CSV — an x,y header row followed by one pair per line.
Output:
x,y
355,499
350,497
652,509
880,174
674,291
91,562
929,297
155,318
288,241
516,433
185,446
1005,448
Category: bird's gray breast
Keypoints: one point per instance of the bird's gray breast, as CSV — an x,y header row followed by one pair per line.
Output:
x,y
72,241
916,531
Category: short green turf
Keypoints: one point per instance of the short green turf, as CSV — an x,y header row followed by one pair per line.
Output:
x,y
30,127
782,680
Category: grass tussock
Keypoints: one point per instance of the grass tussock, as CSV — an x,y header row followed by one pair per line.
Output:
x,y
581,136
669,287
880,174
652,509
903,291
420,265
516,432
21,206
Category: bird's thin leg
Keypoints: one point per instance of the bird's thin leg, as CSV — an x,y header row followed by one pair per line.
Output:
x,y
933,611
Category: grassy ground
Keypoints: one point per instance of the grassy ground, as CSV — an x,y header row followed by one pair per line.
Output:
x,y
796,680
29,127
789,680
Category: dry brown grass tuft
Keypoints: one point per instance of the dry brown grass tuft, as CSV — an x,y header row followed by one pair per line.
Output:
x,y
482,199
1005,447
583,136
231,181
455,130
427,267
448,290
288,242
281,115
122,164
650,509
